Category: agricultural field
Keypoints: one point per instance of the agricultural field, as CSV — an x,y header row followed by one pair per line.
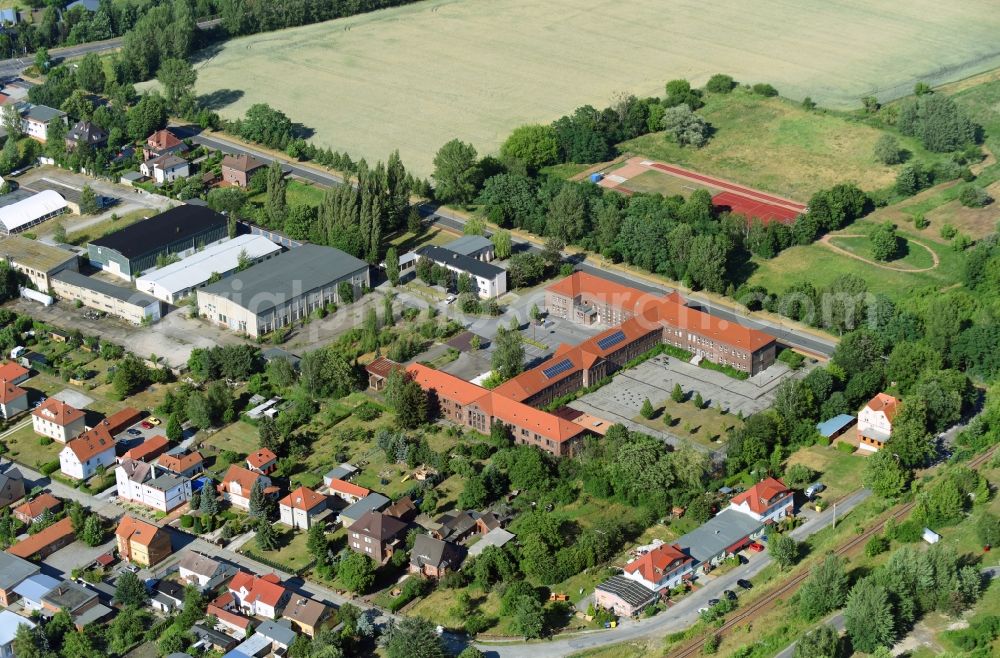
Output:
x,y
393,79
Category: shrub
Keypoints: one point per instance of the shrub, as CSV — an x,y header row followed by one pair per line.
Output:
x,y
845,447
48,468
973,197
187,521
876,546
720,83
367,411
887,150
948,231
908,532
791,358
44,441
764,89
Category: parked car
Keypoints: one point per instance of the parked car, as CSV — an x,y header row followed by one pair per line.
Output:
x,y
756,548
730,594
153,420
146,425
814,489
713,602
133,432
744,583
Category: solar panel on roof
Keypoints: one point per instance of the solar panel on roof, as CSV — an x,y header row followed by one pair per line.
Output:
x,y
558,368
613,339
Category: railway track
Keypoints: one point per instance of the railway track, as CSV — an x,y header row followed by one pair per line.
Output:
x,y
789,587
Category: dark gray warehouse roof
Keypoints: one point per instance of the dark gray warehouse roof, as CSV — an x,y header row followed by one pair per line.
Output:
x,y
286,276
461,262
130,295
180,223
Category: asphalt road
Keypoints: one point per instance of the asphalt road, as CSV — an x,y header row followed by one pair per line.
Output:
x,y
13,67
435,215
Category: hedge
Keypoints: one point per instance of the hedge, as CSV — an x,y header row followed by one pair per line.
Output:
x,y
48,468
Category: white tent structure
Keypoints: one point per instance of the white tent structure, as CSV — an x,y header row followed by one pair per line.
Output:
x,y
29,212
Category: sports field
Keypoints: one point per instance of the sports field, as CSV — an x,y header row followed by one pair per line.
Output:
x,y
414,77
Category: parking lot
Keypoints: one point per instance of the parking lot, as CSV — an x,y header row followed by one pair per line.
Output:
x,y
655,379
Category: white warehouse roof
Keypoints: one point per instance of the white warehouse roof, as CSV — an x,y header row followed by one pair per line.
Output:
x,y
197,268
29,210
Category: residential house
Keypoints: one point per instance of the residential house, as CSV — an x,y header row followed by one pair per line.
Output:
x,y
162,142
141,483
239,169
86,133
165,168
11,485
456,526
623,596
306,615
33,589
46,542
262,461
496,537
403,509
13,399
261,596
14,373
13,571
486,521
434,558
71,597
488,281
167,596
343,472
300,508
347,491
32,510
202,571
142,543
11,621
35,120
231,622
661,568
58,420
148,450
187,464
376,535
875,421
723,535
373,502
767,501
211,639
83,455
271,638
238,483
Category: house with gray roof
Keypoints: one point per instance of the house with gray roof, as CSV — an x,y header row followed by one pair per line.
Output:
x,y
434,558
623,595
721,536
343,472
9,623
13,571
373,502
34,588
488,281
282,290
35,120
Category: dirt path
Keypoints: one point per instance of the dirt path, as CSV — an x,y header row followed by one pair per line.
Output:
x,y
934,257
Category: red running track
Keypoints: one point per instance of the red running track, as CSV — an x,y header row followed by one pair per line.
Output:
x,y
730,187
753,209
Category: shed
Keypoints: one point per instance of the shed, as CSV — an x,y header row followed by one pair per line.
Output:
x,y
930,536
834,427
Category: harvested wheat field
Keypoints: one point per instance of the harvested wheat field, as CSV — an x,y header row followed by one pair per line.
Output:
x,y
414,77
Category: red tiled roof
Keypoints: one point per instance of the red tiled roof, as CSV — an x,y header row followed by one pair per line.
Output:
x,y
349,488
762,495
447,386
266,589
180,463
382,367
244,477
885,403
36,507
162,139
133,530
261,458
654,564
119,420
223,615
303,499
242,162
10,392
148,449
11,371
58,412
91,443
58,531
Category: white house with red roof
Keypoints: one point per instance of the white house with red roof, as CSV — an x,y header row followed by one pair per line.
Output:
x,y
58,420
239,482
262,596
14,373
300,508
661,568
262,461
82,456
767,501
348,491
13,399
875,421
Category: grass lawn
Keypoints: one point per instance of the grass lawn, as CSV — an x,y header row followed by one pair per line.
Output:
x,y
656,182
624,650
240,437
840,472
910,254
704,426
94,231
297,193
291,548
777,146
820,265
23,446
982,102
435,235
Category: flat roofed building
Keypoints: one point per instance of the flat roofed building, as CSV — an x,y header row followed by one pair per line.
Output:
x,y
624,596
489,280
177,280
36,260
126,303
473,246
13,571
32,211
281,290
180,231
35,120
